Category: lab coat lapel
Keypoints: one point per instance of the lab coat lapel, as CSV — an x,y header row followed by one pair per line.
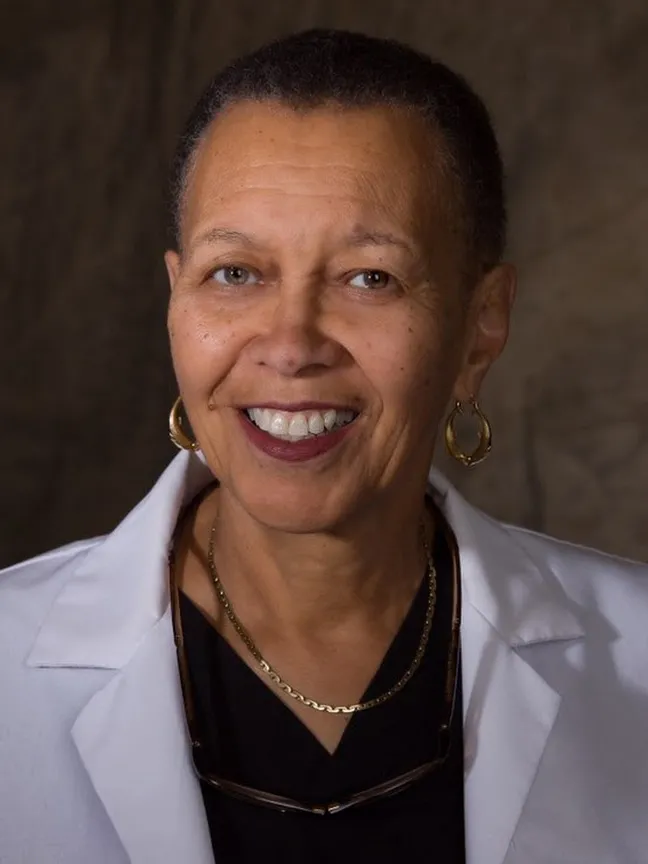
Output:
x,y
113,613
509,601
510,712
133,742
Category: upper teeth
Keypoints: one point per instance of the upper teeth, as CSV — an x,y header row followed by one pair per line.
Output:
x,y
292,426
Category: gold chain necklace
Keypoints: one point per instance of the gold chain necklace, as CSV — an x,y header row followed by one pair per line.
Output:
x,y
295,694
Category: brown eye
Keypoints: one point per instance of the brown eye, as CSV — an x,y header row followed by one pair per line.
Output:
x,y
371,279
234,275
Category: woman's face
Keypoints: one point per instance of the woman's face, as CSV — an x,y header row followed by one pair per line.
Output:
x,y
320,282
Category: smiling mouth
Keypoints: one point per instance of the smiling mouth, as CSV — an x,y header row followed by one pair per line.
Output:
x,y
299,425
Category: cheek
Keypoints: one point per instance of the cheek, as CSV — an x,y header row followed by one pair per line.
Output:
x,y
410,364
407,358
203,345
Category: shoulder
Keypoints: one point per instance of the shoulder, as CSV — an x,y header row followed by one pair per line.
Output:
x,y
579,560
36,571
588,576
28,589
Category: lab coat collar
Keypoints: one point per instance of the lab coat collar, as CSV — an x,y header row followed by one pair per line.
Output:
x,y
119,590
519,595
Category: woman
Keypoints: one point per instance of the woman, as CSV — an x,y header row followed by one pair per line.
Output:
x,y
336,282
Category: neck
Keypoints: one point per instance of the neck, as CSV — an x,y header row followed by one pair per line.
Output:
x,y
319,582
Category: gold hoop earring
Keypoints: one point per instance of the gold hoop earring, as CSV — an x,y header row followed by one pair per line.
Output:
x,y
176,433
469,460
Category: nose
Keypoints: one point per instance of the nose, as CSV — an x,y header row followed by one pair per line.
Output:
x,y
295,342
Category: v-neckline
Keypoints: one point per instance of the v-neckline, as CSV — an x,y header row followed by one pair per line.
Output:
x,y
387,673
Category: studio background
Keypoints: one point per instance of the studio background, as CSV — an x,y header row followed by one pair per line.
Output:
x,y
93,93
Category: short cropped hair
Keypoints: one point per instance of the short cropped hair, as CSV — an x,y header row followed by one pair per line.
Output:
x,y
318,67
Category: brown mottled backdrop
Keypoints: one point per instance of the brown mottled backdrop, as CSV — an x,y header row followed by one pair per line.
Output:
x,y
92,93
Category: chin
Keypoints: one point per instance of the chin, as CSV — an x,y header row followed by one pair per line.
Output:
x,y
295,510
293,522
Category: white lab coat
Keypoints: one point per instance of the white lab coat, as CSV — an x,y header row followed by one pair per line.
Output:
x,y
94,762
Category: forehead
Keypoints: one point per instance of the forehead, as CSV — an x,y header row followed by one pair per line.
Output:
x,y
382,163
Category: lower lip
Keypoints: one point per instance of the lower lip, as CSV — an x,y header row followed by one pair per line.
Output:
x,y
292,451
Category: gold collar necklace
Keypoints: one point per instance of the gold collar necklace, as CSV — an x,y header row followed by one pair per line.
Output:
x,y
268,670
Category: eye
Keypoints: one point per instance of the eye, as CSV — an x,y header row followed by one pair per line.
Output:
x,y
371,279
234,275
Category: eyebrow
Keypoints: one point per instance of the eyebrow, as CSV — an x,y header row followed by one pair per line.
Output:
x,y
358,238
363,237
222,235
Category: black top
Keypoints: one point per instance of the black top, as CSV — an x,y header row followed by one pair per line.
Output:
x,y
252,737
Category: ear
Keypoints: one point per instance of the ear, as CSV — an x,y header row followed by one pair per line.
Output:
x,y
172,262
487,328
